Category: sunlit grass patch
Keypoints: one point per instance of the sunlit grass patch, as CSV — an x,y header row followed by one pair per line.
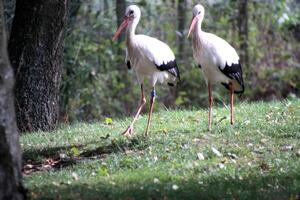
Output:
x,y
257,158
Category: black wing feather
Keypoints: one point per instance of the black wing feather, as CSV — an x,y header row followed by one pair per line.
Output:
x,y
128,64
233,72
171,67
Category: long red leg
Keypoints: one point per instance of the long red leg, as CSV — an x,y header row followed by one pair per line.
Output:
x,y
151,110
129,130
210,99
231,102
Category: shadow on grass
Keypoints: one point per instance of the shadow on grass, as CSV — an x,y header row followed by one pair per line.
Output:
x,y
257,186
63,156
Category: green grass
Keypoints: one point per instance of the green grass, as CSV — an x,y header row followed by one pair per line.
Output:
x,y
260,157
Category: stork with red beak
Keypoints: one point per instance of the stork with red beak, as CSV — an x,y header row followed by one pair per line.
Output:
x,y
217,59
149,57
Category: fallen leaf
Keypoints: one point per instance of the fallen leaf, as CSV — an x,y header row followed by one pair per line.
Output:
x,y
264,140
63,155
287,148
264,166
28,166
234,161
165,131
128,151
108,121
75,151
200,156
47,166
75,176
232,155
216,152
247,122
221,165
249,145
103,171
55,183
197,140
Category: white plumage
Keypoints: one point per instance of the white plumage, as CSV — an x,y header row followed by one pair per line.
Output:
x,y
218,60
214,54
220,49
146,54
149,57
154,49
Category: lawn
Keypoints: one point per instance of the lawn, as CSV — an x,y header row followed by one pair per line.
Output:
x,y
257,158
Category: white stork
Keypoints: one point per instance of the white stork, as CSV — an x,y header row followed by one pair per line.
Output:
x,y
217,59
149,58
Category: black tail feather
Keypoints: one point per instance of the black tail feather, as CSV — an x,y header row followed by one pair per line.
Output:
x,y
170,67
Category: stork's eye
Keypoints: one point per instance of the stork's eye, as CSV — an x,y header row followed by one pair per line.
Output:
x,y
131,12
199,13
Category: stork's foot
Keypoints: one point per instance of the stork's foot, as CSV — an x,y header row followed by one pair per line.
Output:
x,y
129,131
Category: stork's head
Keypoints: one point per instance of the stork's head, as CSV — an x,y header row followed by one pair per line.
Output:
x,y
198,15
132,16
133,12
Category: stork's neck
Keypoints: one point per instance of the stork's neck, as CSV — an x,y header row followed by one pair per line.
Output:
x,y
198,37
198,29
130,32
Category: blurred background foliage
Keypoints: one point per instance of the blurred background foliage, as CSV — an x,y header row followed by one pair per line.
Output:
x,y
97,84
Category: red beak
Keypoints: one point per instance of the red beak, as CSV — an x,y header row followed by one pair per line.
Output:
x,y
121,28
193,23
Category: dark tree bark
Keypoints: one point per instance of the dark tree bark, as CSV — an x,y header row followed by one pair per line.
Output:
x,y
10,156
9,11
181,26
242,23
120,11
181,17
36,51
121,64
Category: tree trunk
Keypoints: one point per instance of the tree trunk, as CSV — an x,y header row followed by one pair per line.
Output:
x,y
120,11
36,52
10,156
242,23
181,15
181,26
9,11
